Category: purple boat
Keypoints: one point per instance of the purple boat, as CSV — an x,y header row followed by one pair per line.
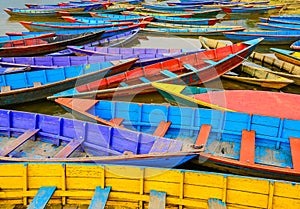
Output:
x,y
32,137
102,54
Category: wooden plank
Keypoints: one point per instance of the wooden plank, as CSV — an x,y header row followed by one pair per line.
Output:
x,y
190,67
82,104
117,121
18,142
175,146
157,200
100,198
160,145
247,151
67,150
36,84
162,128
214,203
203,135
42,197
168,73
295,152
144,80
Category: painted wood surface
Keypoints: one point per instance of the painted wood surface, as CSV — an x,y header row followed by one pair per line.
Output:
x,y
132,185
157,200
100,198
42,197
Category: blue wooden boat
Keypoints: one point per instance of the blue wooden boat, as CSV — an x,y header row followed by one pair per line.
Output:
x,y
33,85
196,13
87,13
41,46
285,17
114,17
241,143
59,139
95,55
192,69
251,9
170,8
279,20
191,21
194,3
191,31
55,26
295,46
270,37
278,26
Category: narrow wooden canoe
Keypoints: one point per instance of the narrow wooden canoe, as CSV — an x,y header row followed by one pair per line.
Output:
x,y
33,85
191,31
113,186
209,43
5,39
91,55
99,17
191,69
170,8
260,76
287,55
270,37
283,67
190,21
279,20
57,139
87,13
185,26
246,9
153,14
43,46
223,133
193,12
247,101
52,26
35,12
278,26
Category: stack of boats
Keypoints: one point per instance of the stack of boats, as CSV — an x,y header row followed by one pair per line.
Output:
x,y
122,153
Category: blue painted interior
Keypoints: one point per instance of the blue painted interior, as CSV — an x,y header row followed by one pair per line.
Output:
x,y
272,134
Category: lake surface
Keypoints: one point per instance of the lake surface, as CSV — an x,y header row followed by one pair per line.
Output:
x,y
9,24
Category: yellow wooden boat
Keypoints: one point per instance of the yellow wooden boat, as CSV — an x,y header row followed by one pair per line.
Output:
x,y
210,43
260,76
97,186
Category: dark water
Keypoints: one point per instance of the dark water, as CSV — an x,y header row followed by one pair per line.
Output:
x,y
9,24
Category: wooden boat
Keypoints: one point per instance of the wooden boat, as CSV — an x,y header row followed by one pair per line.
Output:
x,y
153,14
234,100
278,26
195,3
270,37
295,46
260,76
33,85
10,70
100,17
170,8
46,45
285,17
191,21
209,43
114,186
87,13
287,55
191,31
108,31
52,26
90,55
192,69
68,140
5,39
247,9
173,25
279,20
195,12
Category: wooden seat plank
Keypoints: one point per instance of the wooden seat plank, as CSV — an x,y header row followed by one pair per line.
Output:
x,y
295,152
160,145
67,150
100,198
117,121
190,67
203,135
18,142
157,200
5,88
247,151
162,128
214,203
42,197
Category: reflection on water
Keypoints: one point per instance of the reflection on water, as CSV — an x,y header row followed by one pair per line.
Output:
x,y
9,24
